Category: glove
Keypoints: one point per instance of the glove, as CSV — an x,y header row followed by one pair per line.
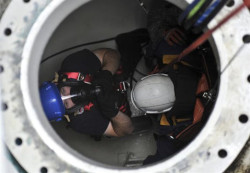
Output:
x,y
104,79
107,99
108,103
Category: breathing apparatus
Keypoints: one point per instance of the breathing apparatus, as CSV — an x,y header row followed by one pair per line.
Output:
x,y
82,94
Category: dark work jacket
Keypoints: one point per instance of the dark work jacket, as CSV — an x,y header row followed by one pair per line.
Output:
x,y
185,82
185,79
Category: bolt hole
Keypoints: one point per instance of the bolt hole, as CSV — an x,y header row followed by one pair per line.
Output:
x,y
243,118
248,78
4,106
1,69
230,3
222,153
246,38
44,170
7,31
18,141
26,1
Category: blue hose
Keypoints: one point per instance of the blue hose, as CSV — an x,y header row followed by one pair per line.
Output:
x,y
207,12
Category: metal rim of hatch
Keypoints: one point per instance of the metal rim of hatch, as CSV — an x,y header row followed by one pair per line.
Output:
x,y
25,30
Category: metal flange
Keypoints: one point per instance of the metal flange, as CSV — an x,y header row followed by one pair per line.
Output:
x,y
25,30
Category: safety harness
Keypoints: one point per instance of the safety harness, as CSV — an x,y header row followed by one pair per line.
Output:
x,y
175,127
77,79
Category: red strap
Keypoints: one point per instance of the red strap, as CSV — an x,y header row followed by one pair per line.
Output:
x,y
199,108
156,70
87,78
122,108
78,76
72,75
88,107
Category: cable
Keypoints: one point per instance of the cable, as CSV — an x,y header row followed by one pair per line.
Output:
x,y
206,35
208,15
233,58
196,9
226,67
207,12
143,6
77,46
187,11
194,16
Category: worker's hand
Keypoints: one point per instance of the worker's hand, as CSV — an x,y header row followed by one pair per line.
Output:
x,y
104,79
175,36
107,100
108,103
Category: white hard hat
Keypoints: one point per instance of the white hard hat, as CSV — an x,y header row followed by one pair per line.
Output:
x,y
154,94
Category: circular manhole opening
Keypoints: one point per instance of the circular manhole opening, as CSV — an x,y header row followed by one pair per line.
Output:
x,y
91,29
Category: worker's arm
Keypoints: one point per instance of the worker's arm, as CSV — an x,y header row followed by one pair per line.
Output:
x,y
109,58
120,124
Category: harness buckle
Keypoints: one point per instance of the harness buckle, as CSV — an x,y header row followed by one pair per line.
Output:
x,y
123,86
208,96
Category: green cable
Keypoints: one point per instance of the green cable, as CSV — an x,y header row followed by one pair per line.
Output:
x,y
195,9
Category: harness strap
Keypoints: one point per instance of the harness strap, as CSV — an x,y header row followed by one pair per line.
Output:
x,y
78,78
87,78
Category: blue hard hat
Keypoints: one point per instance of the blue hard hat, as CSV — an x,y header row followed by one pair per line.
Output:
x,y
51,101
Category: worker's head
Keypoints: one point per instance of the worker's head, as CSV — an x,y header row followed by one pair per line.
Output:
x,y
65,92
51,101
63,97
154,94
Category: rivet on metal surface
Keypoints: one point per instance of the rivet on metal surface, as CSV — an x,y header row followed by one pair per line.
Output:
x,y
222,153
7,31
243,118
18,141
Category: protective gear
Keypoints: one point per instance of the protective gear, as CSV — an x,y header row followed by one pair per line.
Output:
x,y
104,79
154,94
83,93
107,100
108,103
51,101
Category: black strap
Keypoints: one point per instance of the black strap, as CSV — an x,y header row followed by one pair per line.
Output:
x,y
189,22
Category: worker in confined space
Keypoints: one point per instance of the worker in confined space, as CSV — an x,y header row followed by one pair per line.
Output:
x,y
169,98
87,94
179,86
171,95
91,90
